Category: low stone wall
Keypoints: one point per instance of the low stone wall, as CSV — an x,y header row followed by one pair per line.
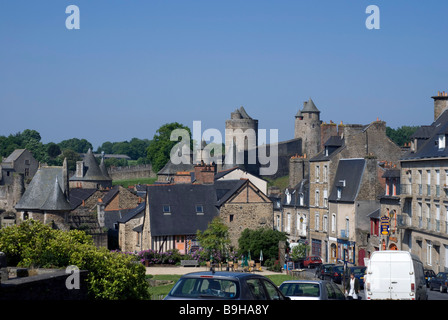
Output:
x,y
131,172
44,286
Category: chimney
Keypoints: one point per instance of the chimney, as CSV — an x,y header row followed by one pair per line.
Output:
x,y
440,103
205,174
79,169
182,177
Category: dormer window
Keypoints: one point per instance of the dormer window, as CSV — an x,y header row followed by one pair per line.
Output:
x,y
339,191
166,209
442,142
199,209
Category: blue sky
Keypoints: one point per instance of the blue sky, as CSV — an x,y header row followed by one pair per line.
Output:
x,y
136,65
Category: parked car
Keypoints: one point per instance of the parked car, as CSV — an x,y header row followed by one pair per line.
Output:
x,y
439,282
224,285
312,261
323,270
429,274
359,272
335,273
311,290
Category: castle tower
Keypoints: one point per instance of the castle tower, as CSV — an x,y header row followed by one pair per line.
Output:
x,y
241,140
307,127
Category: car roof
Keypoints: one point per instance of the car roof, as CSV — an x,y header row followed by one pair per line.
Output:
x,y
221,274
305,281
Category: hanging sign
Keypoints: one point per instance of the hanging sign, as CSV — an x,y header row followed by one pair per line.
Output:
x,y
385,225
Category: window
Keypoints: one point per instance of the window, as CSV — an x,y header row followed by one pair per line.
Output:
x,y
199,209
316,200
333,222
339,190
325,198
429,253
288,222
166,209
301,199
272,291
316,221
441,142
317,173
256,288
437,218
325,173
325,223
231,218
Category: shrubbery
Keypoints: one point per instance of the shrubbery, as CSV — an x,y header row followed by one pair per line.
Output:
x,y
112,275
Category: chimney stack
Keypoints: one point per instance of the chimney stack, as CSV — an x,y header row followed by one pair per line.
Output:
x,y
440,103
205,174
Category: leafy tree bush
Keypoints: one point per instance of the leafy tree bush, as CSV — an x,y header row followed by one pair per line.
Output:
x,y
262,239
215,240
112,275
158,151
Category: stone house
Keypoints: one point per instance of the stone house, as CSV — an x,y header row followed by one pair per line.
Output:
x,y
16,171
367,142
291,212
175,212
422,221
47,197
21,161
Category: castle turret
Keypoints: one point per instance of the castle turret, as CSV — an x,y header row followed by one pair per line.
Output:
x,y
241,140
307,128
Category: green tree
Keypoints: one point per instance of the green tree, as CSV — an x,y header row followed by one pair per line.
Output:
x,y
71,156
112,275
299,251
158,151
402,134
262,239
75,144
215,239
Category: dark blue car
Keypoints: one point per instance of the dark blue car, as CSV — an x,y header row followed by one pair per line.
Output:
x,y
224,286
439,282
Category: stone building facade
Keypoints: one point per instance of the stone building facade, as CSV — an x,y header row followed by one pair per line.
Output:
x,y
422,219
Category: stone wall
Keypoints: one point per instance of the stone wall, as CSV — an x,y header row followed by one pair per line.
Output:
x,y
239,216
131,172
47,286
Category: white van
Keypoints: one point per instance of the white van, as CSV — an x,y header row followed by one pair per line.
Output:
x,y
394,275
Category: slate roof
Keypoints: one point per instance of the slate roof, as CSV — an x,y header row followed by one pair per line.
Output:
x,y
14,155
303,187
171,168
430,148
310,107
183,199
45,192
126,215
78,195
92,171
348,177
334,144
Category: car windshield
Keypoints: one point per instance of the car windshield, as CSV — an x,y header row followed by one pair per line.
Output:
x,y
205,288
300,289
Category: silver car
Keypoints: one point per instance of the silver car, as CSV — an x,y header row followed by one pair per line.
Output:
x,y
311,290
